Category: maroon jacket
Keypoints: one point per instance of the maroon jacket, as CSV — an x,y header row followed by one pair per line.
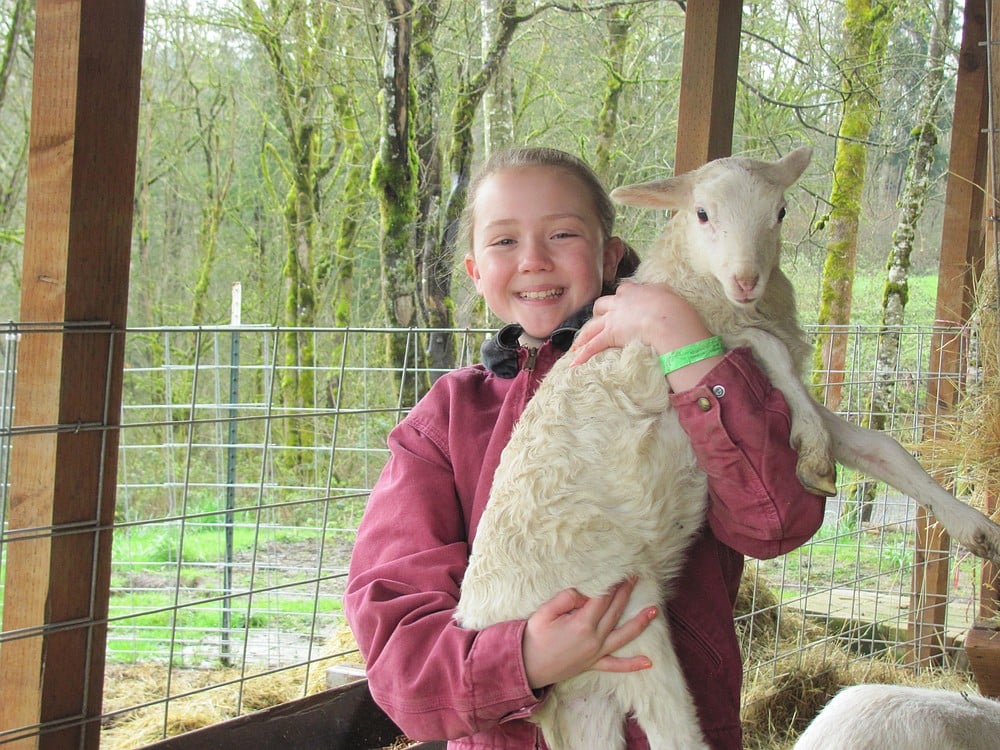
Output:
x,y
436,680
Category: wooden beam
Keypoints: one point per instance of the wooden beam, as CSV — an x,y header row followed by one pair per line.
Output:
x,y
961,260
707,104
345,718
78,225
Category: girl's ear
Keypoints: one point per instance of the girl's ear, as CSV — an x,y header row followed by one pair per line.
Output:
x,y
473,270
614,250
629,263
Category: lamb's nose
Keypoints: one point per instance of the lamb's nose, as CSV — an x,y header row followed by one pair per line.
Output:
x,y
746,283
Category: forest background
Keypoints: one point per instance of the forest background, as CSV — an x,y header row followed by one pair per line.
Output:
x,y
318,152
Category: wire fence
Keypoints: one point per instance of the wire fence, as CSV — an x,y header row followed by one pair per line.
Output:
x,y
237,506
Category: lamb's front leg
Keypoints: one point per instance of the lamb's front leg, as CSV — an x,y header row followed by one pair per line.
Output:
x,y
880,456
816,468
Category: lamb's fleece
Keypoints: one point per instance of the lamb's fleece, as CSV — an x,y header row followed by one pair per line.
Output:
x,y
899,717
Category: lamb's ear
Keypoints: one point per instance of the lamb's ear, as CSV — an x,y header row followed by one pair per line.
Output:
x,y
672,193
790,167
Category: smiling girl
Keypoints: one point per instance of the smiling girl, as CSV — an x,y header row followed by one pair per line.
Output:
x,y
542,253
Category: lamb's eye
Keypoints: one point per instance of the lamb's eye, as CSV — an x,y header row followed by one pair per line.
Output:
x,y
702,215
781,213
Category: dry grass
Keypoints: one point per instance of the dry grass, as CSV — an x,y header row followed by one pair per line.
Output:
x,y
779,704
209,696
967,445
781,698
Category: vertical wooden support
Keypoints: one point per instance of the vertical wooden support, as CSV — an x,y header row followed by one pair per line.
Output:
x,y
989,590
707,103
961,261
81,176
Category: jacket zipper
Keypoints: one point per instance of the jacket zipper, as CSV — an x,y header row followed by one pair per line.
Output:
x,y
529,363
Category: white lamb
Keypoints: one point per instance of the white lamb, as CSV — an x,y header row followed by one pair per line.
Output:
x,y
897,717
599,481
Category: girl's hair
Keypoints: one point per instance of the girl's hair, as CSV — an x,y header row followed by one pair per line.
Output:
x,y
545,157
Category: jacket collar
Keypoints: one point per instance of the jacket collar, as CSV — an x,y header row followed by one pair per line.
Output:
x,y
500,353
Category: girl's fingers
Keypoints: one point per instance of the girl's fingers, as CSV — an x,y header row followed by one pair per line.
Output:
x,y
611,663
629,630
563,603
617,601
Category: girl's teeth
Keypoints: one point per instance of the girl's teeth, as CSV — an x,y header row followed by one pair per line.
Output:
x,y
541,295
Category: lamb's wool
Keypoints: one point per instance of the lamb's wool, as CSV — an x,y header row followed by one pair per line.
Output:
x,y
898,717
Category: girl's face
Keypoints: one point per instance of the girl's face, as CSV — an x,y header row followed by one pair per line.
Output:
x,y
538,254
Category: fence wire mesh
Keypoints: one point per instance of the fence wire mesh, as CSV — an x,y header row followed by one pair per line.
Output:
x,y
242,475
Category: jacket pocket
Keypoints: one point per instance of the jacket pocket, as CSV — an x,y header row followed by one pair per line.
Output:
x,y
689,634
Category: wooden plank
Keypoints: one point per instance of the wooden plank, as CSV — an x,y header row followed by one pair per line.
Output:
x,y
707,103
77,243
983,648
961,256
343,718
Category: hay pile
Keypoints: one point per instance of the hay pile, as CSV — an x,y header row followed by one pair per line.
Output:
x,y
210,696
966,445
781,697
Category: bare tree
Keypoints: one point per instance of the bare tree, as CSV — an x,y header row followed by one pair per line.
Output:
x,y
16,46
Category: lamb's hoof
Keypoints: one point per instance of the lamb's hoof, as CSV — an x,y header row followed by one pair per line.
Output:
x,y
985,542
820,479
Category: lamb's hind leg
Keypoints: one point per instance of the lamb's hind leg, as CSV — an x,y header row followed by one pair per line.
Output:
x,y
880,456
583,718
659,697
589,711
816,468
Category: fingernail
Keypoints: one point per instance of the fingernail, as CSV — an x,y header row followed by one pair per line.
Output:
x,y
646,664
651,614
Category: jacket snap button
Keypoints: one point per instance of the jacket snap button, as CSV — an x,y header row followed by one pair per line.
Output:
x,y
719,391
704,404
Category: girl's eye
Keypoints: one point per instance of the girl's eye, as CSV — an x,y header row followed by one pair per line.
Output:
x,y
563,235
702,215
781,213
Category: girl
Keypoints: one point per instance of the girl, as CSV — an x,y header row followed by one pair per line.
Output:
x,y
541,250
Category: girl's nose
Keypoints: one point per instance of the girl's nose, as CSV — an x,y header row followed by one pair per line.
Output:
x,y
534,255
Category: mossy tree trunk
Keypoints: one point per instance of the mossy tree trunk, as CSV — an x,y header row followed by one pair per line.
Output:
x,y
394,182
220,166
19,40
618,21
433,266
498,105
296,40
472,88
911,207
866,30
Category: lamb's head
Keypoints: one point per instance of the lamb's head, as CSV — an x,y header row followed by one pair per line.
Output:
x,y
728,213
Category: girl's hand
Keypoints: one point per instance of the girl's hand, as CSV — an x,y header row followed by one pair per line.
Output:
x,y
572,633
653,314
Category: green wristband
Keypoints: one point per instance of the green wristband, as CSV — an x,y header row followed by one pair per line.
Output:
x,y
688,355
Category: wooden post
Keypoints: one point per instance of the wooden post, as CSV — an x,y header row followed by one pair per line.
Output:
x,y
961,261
989,589
78,225
707,104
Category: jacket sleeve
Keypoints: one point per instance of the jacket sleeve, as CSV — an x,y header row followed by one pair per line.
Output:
x,y
739,426
434,679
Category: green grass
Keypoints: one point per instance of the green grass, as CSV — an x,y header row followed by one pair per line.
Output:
x,y
867,295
